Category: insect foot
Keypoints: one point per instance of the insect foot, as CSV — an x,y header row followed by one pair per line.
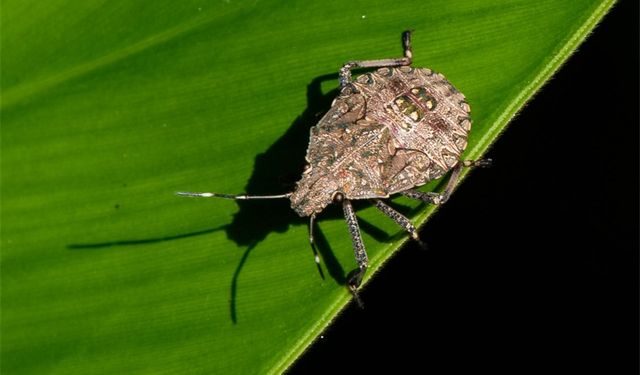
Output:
x,y
480,163
388,131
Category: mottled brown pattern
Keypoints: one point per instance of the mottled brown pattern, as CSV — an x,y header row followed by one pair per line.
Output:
x,y
388,131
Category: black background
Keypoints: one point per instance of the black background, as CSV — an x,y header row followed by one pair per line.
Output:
x,y
532,265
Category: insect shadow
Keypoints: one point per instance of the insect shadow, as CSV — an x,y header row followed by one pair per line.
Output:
x,y
98,245
276,171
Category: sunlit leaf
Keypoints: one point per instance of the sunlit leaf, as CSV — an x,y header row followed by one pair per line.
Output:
x,y
108,108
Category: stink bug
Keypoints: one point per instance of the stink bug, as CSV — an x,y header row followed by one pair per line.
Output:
x,y
387,132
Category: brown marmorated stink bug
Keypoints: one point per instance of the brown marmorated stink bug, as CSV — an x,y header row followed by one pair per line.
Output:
x,y
387,132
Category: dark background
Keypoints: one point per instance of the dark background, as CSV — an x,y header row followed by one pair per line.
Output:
x,y
533,263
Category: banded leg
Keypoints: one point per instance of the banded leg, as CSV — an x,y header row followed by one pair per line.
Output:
x,y
358,247
440,198
345,71
399,218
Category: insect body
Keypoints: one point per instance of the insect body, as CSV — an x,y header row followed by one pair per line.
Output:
x,y
387,132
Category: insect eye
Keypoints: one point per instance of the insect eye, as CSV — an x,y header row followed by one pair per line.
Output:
x,y
338,197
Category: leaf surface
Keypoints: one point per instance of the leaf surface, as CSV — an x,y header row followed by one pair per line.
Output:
x,y
108,108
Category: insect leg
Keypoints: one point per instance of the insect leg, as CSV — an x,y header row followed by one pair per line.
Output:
x,y
358,247
427,197
481,163
440,198
345,71
399,218
231,196
312,242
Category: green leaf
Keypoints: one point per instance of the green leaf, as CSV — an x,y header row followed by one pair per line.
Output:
x,y
108,108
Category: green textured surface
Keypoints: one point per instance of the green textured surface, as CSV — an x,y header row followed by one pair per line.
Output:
x,y
108,108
